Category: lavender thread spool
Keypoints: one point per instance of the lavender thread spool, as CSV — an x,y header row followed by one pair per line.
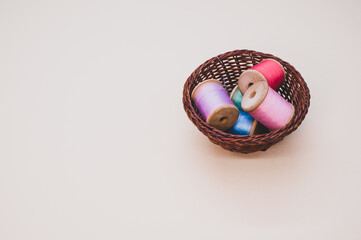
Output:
x,y
214,104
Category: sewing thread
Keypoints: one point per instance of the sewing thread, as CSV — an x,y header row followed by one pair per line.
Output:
x,y
268,70
267,106
214,104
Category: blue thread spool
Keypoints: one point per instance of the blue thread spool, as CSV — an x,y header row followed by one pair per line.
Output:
x,y
245,125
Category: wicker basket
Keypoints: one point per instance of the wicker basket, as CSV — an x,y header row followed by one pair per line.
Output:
x,y
226,68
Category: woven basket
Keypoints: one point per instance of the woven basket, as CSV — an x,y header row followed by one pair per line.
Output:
x,y
226,68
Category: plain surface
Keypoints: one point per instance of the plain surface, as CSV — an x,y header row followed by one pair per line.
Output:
x,y
95,144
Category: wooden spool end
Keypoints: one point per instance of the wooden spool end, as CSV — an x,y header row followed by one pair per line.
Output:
x,y
248,78
293,113
253,127
254,96
224,117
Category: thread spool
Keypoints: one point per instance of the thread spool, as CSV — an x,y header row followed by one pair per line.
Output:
x,y
245,125
269,70
214,104
267,106
236,97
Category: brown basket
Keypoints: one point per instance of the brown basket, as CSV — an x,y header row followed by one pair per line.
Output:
x,y
226,68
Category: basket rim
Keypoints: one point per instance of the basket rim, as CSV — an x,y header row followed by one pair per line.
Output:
x,y
265,138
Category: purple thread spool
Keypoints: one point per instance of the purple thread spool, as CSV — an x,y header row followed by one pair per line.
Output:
x,y
214,104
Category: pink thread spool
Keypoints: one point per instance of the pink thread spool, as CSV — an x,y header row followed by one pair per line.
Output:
x,y
267,106
269,70
214,104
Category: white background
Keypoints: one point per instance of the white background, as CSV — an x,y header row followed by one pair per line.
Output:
x,y
95,144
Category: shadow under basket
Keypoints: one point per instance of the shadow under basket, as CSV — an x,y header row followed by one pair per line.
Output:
x,y
227,68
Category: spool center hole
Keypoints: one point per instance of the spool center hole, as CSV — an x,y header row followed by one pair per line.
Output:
x,y
252,94
223,119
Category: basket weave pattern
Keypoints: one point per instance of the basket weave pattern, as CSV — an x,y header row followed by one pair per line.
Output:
x,y
227,68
